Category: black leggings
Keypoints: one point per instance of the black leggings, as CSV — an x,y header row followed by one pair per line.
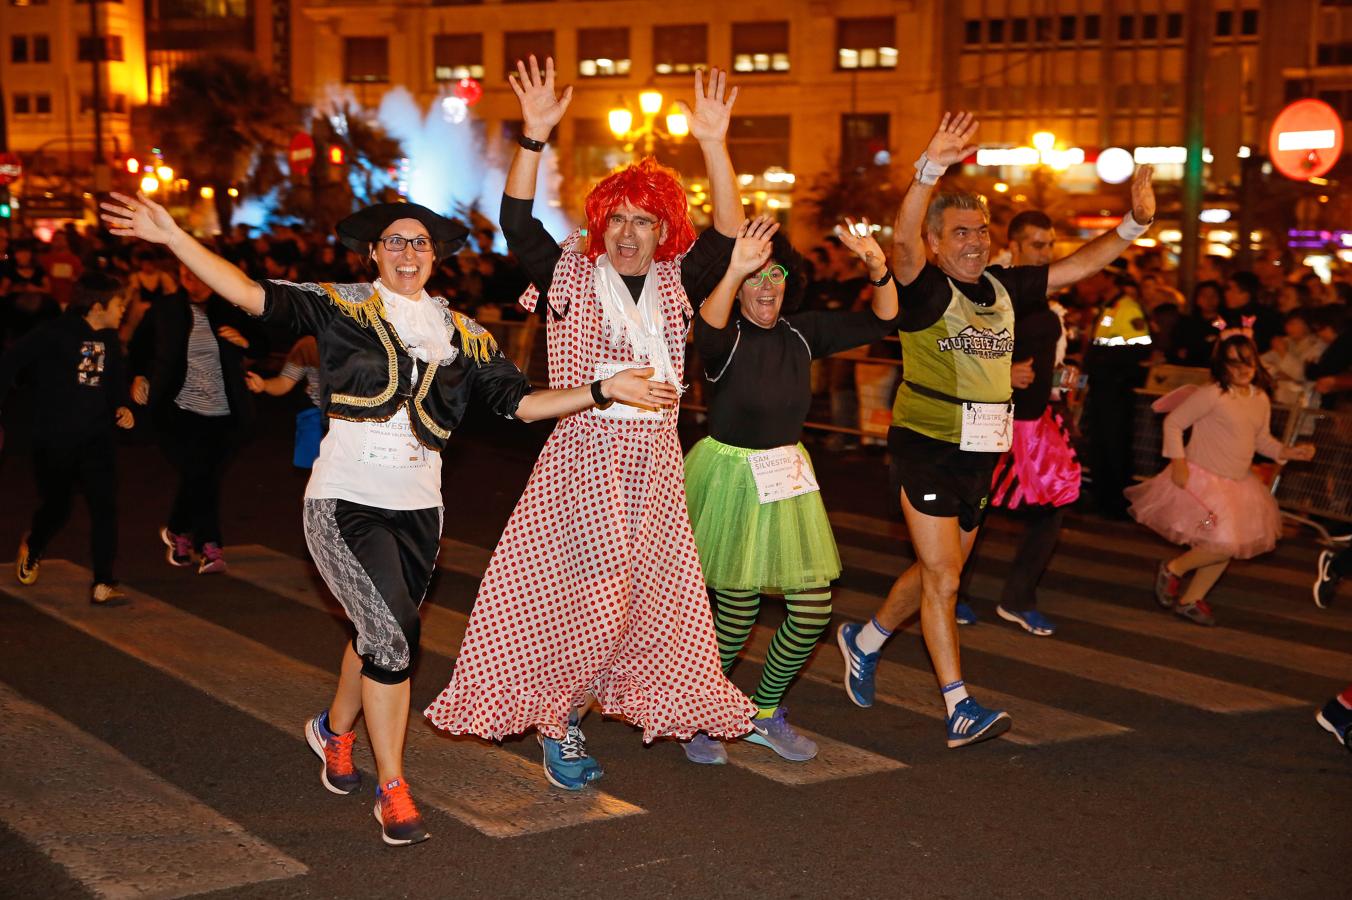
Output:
x,y
90,467
1041,531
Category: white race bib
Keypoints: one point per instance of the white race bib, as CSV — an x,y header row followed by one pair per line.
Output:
x,y
781,473
391,445
619,409
987,427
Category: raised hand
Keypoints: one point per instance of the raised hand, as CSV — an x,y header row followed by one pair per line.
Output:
x,y
1143,195
633,387
863,245
952,143
541,108
752,248
140,217
709,119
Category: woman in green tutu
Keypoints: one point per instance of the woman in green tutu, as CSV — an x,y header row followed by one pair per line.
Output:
x,y
754,505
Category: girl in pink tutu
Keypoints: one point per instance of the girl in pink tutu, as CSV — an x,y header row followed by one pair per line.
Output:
x,y
1208,496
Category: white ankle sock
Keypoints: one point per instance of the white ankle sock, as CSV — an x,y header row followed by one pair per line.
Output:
x,y
954,694
871,637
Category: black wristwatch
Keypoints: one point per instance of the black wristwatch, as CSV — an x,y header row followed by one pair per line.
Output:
x,y
887,276
536,146
599,397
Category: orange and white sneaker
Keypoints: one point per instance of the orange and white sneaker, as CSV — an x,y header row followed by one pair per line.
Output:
x,y
400,821
339,774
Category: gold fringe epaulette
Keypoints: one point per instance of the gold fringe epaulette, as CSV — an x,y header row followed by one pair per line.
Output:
x,y
364,312
475,341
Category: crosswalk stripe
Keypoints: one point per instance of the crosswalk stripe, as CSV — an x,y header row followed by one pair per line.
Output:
x,y
1175,685
1138,578
900,686
914,690
117,828
497,793
444,629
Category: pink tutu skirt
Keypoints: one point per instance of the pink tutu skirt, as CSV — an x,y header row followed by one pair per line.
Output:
x,y
1237,518
1039,469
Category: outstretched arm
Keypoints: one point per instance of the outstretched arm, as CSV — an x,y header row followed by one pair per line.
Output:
x,y
144,218
541,110
709,125
1108,246
749,253
871,255
628,386
951,144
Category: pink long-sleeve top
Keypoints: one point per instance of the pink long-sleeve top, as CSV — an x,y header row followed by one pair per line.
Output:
x,y
1227,427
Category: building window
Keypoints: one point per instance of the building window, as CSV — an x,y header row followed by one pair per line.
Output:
x,y
972,31
112,48
1248,22
1091,28
18,49
1069,27
759,142
1045,32
1126,28
1173,26
680,48
112,103
42,104
760,46
457,56
366,60
1018,32
1334,54
602,52
995,31
22,104
42,49
863,140
519,45
1150,27
866,43
1225,23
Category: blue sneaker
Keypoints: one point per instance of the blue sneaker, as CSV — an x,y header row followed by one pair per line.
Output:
x,y
972,722
859,666
777,734
566,762
1030,620
1336,719
964,614
705,751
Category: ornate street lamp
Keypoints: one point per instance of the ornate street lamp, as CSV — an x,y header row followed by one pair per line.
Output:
x,y
650,104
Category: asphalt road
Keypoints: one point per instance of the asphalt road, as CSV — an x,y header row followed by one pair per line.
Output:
x,y
156,749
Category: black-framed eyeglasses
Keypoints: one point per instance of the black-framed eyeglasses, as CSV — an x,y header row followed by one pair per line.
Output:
x,y
776,275
395,243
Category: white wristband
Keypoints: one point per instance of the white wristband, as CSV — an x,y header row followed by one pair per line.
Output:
x,y
1129,229
927,171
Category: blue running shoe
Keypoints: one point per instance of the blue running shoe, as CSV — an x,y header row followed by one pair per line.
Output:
x,y
566,762
1030,620
777,734
964,614
1336,719
859,666
972,722
705,751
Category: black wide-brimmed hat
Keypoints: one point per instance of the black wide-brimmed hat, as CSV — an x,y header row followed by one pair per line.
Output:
x,y
364,227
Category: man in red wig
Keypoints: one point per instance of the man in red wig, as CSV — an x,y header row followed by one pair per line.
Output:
x,y
595,588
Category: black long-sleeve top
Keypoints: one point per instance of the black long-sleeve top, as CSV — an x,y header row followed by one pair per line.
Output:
x,y
539,253
760,381
76,375
1036,334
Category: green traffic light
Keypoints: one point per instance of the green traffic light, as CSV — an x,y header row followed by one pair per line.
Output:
x,y
5,211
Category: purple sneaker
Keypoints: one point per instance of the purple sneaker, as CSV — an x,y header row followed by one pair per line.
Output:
x,y
180,547
213,559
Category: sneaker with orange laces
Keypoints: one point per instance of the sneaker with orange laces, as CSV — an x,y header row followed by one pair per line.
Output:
x,y
339,774
400,822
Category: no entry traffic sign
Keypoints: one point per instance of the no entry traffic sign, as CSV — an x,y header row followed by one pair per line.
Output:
x,y
11,168
1306,139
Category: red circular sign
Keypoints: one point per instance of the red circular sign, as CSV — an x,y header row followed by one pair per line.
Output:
x,y
11,168
1306,139
301,154
469,90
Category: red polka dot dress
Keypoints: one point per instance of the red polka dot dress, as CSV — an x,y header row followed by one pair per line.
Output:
x,y
595,586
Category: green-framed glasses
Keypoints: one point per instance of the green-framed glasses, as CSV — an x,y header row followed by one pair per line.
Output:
x,y
775,274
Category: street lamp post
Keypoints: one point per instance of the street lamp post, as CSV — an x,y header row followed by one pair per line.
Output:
x,y
650,104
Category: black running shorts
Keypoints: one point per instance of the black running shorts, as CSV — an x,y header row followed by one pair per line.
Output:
x,y
939,478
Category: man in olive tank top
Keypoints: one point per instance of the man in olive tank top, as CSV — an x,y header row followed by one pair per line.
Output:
x,y
953,418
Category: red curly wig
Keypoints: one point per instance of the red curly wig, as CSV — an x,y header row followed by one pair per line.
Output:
x,y
648,185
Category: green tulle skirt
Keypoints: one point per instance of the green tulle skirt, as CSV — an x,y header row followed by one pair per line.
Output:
x,y
747,545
